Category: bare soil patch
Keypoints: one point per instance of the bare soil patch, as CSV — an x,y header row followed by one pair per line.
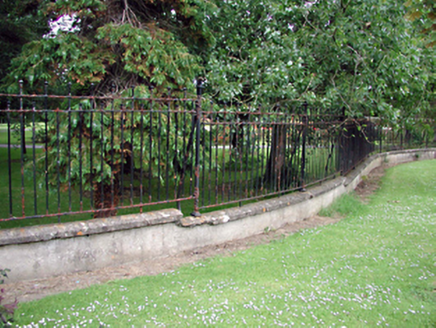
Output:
x,y
36,289
370,183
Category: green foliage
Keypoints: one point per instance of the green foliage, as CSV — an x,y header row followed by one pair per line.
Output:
x,y
128,43
20,23
255,59
423,12
359,55
6,310
103,145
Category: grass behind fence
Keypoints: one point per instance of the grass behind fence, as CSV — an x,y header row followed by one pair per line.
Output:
x,y
374,268
226,177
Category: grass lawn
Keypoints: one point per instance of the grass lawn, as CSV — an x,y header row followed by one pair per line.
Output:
x,y
15,139
374,268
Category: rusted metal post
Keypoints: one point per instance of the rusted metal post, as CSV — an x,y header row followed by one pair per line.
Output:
x,y
303,149
196,212
23,147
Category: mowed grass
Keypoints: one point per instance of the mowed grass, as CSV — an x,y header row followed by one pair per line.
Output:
x,y
376,267
15,133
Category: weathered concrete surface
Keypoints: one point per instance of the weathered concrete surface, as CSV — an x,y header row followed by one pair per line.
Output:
x,y
86,228
38,252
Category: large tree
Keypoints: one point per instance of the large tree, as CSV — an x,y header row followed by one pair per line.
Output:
x,y
119,43
358,55
20,23
124,48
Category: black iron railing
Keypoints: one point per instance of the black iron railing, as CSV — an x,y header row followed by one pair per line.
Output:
x,y
74,157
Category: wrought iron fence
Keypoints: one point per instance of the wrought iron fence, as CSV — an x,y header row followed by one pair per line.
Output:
x,y
76,157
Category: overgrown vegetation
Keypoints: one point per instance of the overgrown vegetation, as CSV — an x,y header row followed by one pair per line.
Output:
x,y
6,310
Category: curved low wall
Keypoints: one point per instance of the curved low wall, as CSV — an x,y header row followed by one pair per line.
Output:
x,y
43,251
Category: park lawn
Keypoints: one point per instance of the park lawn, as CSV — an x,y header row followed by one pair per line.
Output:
x,y
29,195
375,267
15,136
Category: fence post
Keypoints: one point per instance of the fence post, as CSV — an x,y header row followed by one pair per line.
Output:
x,y
380,133
303,149
9,159
196,212
401,136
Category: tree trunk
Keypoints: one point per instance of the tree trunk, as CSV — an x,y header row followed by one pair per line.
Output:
x,y
103,200
275,171
237,137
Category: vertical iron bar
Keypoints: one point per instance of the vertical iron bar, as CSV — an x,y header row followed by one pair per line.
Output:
x,y
401,137
293,148
34,159
210,154
191,143
254,129
176,153
141,152
238,158
132,158
232,158
285,175
112,168
122,155
23,144
91,164
264,149
168,134
46,146
80,157
58,164
22,126
223,174
247,148
303,150
268,150
150,139
9,160
196,212
289,149
217,129
184,159
275,136
69,146
102,191
159,148
380,132
203,161
296,151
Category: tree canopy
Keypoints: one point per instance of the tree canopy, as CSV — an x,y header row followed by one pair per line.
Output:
x,y
361,55
424,12
119,43
20,23
364,56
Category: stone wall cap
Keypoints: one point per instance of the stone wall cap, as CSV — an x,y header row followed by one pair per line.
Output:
x,y
87,228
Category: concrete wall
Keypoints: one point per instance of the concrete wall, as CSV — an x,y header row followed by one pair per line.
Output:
x,y
43,251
